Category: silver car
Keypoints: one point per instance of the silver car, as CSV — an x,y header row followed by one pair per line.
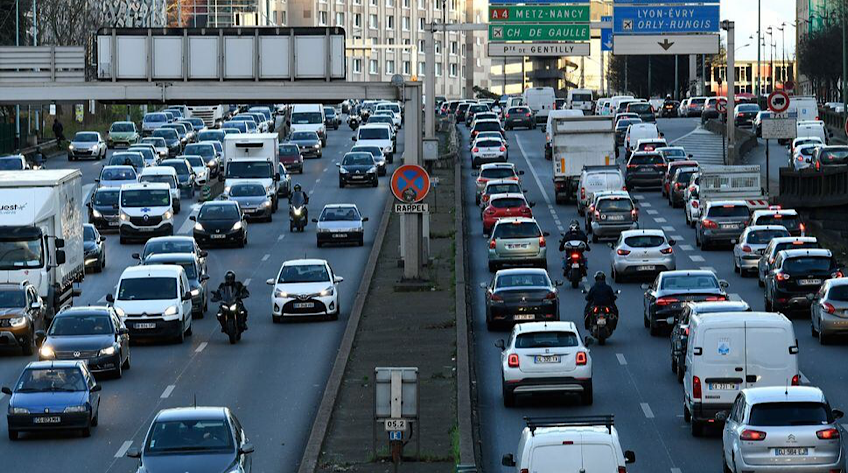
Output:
x,y
613,214
340,223
642,252
87,144
782,429
517,241
754,240
116,176
488,151
829,310
253,200
802,157
721,222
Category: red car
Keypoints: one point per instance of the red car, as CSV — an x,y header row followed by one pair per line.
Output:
x,y
290,157
505,205
669,173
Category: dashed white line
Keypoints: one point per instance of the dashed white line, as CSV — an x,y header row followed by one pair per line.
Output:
x,y
638,196
646,205
687,248
647,410
660,220
101,300
621,360
123,450
804,379
676,237
283,235
167,392
535,174
676,470
317,180
651,212
187,225
201,347
697,258
708,268
247,282
668,228
265,258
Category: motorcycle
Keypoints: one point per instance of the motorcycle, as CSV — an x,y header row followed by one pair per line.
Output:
x,y
231,313
298,216
602,321
574,264
353,122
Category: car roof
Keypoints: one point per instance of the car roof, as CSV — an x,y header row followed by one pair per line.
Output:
x,y
339,206
494,182
159,171
716,203
298,262
496,166
757,228
718,306
212,203
167,258
783,394
191,413
644,231
511,195
687,272
146,185
100,309
506,220
54,364
665,148
545,327
171,238
789,239
513,271
759,213
807,252
151,270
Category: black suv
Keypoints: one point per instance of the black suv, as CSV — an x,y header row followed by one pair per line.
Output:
x,y
795,274
22,312
645,169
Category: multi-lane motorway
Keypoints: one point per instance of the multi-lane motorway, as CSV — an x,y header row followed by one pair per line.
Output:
x,y
632,372
273,379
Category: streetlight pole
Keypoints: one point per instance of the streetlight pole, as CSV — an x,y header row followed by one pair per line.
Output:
x,y
783,54
844,59
759,33
771,61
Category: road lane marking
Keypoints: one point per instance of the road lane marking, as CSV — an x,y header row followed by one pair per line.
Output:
x,y
317,180
647,410
101,300
247,282
685,136
708,268
535,174
188,224
667,228
123,450
676,237
676,470
697,258
639,197
652,212
659,219
621,360
265,258
804,379
560,228
201,347
646,205
687,248
167,392
282,235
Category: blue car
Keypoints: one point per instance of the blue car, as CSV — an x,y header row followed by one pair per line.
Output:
x,y
53,395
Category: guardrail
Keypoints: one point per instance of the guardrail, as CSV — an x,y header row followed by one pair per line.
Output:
x,y
835,122
42,64
809,188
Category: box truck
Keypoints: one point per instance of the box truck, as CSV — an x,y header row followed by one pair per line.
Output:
x,y
577,142
252,157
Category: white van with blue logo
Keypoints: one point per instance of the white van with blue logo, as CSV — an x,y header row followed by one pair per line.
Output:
x,y
145,210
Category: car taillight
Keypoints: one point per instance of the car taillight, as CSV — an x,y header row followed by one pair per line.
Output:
x,y
582,192
837,275
622,469
686,331
524,470
503,148
663,301
752,435
507,115
525,210
551,295
493,244
796,380
475,150
678,185
782,276
706,223
485,197
597,215
581,358
746,249
828,434
528,114
634,214
715,298
695,204
667,251
512,361
622,252
490,211
696,387
802,227
542,242
800,159
828,307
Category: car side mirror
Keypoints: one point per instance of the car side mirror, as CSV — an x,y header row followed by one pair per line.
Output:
x,y
353,138
133,453
96,388
645,286
60,257
6,390
60,243
558,283
588,340
723,284
193,218
40,335
187,296
136,256
500,344
88,204
123,331
837,414
531,204
203,253
338,279
204,278
364,219
629,456
314,220
520,173
35,305
610,245
507,460
110,298
246,448
547,234
96,179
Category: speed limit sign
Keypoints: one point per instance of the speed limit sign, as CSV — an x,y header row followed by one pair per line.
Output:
x,y
778,101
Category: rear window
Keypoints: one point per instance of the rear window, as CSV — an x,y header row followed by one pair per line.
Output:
x,y
517,230
729,211
546,340
684,176
487,126
834,156
806,264
655,159
687,282
518,110
791,222
497,173
626,122
697,101
640,108
795,245
489,144
507,203
502,189
522,280
615,205
838,293
762,237
644,241
790,413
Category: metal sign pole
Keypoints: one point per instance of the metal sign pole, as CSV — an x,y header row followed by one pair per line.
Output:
x,y
411,224
768,170
731,89
430,83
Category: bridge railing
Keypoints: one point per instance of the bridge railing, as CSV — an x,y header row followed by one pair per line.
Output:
x,y
42,64
809,188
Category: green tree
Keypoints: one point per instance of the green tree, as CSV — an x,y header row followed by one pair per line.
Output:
x,y
820,59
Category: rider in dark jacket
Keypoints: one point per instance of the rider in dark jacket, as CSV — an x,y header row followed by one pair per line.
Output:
x,y
299,198
601,295
239,291
574,233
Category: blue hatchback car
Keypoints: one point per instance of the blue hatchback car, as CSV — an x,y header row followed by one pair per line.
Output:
x,y
53,395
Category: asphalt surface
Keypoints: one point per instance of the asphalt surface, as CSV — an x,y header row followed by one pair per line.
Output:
x,y
272,379
632,372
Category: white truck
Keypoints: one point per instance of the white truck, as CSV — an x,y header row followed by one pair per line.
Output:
x,y
252,157
41,237
541,101
577,142
732,183
212,115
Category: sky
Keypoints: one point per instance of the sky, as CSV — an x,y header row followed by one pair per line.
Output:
x,y
744,15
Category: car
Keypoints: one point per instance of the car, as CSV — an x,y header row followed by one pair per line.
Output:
x,y
53,395
641,252
116,176
461,110
589,211
93,334
521,295
776,245
290,157
199,168
595,179
210,438
749,249
649,144
757,123
802,157
127,158
695,106
94,248
303,288
666,296
86,144
795,274
22,313
517,241
670,170
194,272
680,331
473,110
487,125
488,115
185,174
197,124
505,205
172,140
789,428
621,127
722,221
181,129
148,153
519,117
804,140
691,202
122,133
498,187
612,213
103,208
152,121
357,168
173,244
830,156
340,223
252,200
545,357
487,135
624,115
710,110
828,308
16,162
488,151
159,144
677,185
645,169
644,109
745,113
244,123
331,118
376,152
787,218
210,154
683,109
641,131
220,222
673,153
166,175
495,171
308,142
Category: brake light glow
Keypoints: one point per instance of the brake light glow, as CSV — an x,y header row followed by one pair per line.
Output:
x,y
782,276
796,380
551,295
828,307
667,251
746,249
663,301
696,387
800,158
581,358
802,227
503,148
695,204
678,185
542,242
622,252
507,115
715,298
512,361
837,274
752,435
707,223
528,114
582,192
493,244
576,256
635,214
828,434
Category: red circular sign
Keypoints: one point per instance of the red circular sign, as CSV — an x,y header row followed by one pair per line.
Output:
x,y
789,85
778,101
410,183
721,105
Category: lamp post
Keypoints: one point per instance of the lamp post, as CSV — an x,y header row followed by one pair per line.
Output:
x,y
769,32
759,34
782,30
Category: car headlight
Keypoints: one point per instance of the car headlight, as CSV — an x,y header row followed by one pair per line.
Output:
x,y
195,292
266,204
387,149
269,189
237,226
70,147
167,215
171,310
72,409
108,351
316,145
18,321
342,171
327,292
46,351
227,189
95,213
18,410
198,227
233,307
372,170
298,210
281,294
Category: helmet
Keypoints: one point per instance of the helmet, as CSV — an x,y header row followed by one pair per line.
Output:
x,y
230,277
668,97
297,187
574,225
600,276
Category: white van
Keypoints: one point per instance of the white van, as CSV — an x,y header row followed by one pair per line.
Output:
x,y
811,129
595,179
541,101
154,301
549,132
145,210
308,117
580,99
805,108
731,351
165,174
586,444
376,134
615,101
639,131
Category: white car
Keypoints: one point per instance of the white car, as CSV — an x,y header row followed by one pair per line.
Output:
x,y
201,170
642,252
754,240
692,208
802,157
305,287
544,357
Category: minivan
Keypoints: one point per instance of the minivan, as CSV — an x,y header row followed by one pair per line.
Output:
x,y
308,117
731,351
165,174
597,179
639,131
145,210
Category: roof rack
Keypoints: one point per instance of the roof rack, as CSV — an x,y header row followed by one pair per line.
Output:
x,y
534,423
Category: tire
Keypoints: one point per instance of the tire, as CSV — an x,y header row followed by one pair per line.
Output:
x,y
231,332
276,318
697,428
123,241
361,242
29,348
653,328
103,263
243,242
181,336
574,283
508,398
587,397
118,372
724,467
687,416
594,237
673,364
602,340
760,282
341,184
645,320
813,331
736,268
86,432
768,305
375,183
680,372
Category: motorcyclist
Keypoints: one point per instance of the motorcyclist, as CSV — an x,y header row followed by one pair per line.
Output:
x,y
299,198
574,233
239,291
600,295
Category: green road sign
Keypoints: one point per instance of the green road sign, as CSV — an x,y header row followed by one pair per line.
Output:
x,y
522,32
539,13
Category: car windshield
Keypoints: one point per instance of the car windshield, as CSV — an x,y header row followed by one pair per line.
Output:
x,y
88,233
697,101
507,281
581,97
181,129
329,112
145,152
167,133
182,436
646,159
122,128
489,144
763,237
304,136
303,273
507,203
387,118
674,152
689,282
807,264
837,293
684,176
159,178
337,214
179,166
13,298
247,190
206,151
289,150
156,142
306,118
219,212
127,159
748,108
516,230
772,414
11,164
373,150
380,133
644,241
210,135
155,118
546,340
487,126
196,161
729,211
834,155
20,253
158,247
615,205
106,197
503,189
51,379
81,324
358,159
147,289
123,174
145,198
85,138
249,170
639,108
497,173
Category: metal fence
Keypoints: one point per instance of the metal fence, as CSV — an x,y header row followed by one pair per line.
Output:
x,y
809,188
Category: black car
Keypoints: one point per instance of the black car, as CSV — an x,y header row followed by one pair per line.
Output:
x,y
185,174
357,168
22,313
93,248
645,111
207,439
473,110
645,169
253,200
172,140
521,295
666,297
331,119
795,275
515,117
94,335
827,156
745,114
461,111
196,278
220,222
103,208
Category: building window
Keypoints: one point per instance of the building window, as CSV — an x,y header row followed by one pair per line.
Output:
x,y
339,19
390,3
463,49
357,66
479,62
422,46
405,3
406,68
438,69
373,3
422,5
282,17
405,23
407,42
390,67
372,21
372,66
421,69
479,41
357,2
438,47
453,70
453,48
357,20
322,18
421,23
390,22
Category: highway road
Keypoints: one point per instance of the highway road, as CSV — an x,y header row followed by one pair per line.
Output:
x,y
273,379
632,372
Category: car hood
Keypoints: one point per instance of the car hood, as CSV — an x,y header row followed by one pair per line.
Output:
x,y
84,144
89,246
11,311
188,463
304,288
357,168
249,201
122,134
217,225
80,342
340,225
55,401
151,307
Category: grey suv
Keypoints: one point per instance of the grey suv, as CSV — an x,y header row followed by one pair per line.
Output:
x,y
517,241
721,222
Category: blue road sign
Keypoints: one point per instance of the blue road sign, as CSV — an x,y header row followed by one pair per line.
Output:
x,y
535,2
654,2
395,435
657,19
606,35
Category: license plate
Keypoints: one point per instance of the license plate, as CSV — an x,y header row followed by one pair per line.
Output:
x,y
615,217
517,246
113,224
144,326
723,386
602,322
575,266
809,282
547,359
357,177
648,267
339,235
47,420
218,237
145,229
670,320
790,452
304,305
729,226
524,317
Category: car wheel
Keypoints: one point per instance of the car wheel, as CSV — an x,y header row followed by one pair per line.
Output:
x,y
681,370
341,184
673,364
724,467
181,336
586,397
123,241
508,397
687,416
276,318
823,339
86,432
654,329
594,237
813,331
736,268
118,373
361,241
697,428
645,320
769,306
28,348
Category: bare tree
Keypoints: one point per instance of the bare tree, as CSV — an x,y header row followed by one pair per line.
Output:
x,y
68,22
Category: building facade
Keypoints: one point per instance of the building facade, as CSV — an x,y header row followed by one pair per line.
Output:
x,y
810,16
